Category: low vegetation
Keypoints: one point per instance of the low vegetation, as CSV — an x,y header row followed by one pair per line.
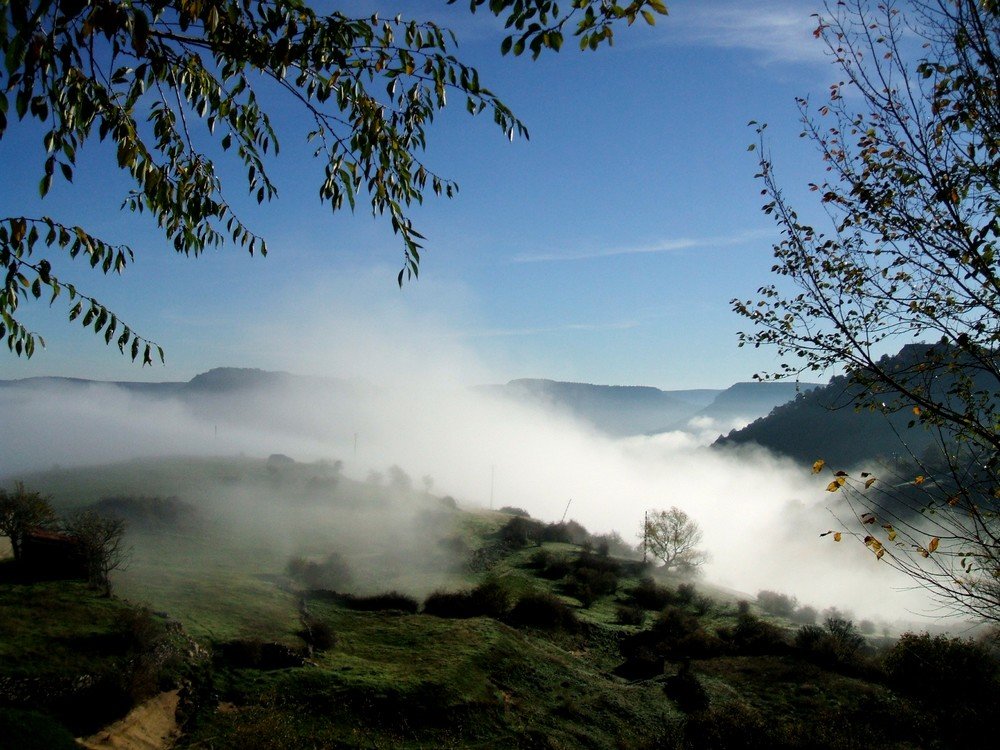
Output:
x,y
541,639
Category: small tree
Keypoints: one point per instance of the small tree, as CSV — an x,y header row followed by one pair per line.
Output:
x,y
21,511
672,537
102,542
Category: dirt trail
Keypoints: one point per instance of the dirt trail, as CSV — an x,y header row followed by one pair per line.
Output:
x,y
149,726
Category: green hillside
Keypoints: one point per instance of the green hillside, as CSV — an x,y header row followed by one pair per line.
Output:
x,y
461,629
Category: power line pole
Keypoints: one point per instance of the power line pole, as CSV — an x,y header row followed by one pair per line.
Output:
x,y
645,535
566,511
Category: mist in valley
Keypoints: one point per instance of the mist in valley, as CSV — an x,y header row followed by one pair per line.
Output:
x,y
409,404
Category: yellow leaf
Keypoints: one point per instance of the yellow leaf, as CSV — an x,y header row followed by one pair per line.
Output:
x,y
818,466
869,482
953,501
833,486
836,536
919,479
933,545
916,410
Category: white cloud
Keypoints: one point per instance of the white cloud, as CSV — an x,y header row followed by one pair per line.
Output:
x,y
778,31
664,246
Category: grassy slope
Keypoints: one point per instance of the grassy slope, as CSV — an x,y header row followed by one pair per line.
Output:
x,y
395,680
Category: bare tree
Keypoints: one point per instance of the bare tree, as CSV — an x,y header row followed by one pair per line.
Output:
x,y
673,537
21,511
910,142
102,541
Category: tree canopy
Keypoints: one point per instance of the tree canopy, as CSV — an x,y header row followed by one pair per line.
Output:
x,y
175,84
910,142
672,537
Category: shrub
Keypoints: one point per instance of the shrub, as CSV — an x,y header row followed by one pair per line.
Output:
x,y
686,690
845,639
557,568
589,584
520,531
805,615
650,595
702,604
510,510
489,599
252,653
629,614
674,634
953,679
612,543
331,573
30,730
779,605
540,559
318,634
686,593
542,610
835,644
755,637
568,532
808,637
450,604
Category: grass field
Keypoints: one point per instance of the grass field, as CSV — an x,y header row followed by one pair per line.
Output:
x,y
694,669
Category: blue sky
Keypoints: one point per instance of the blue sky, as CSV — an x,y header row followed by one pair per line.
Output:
x,y
605,249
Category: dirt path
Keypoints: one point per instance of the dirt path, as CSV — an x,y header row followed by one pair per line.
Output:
x,y
149,726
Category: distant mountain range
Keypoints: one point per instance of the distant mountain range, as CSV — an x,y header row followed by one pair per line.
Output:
x,y
642,410
615,410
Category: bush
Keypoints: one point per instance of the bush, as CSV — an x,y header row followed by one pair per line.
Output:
x,y
520,531
540,559
488,599
612,543
755,637
805,615
809,637
629,614
318,634
836,644
30,730
252,653
953,679
779,605
568,532
589,584
541,610
686,690
510,510
674,634
331,573
686,593
845,639
650,595
557,568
